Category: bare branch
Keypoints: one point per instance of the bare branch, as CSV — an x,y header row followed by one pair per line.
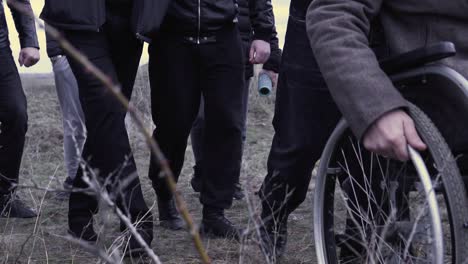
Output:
x,y
115,91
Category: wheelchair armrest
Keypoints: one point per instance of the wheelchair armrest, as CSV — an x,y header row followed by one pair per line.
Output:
x,y
418,57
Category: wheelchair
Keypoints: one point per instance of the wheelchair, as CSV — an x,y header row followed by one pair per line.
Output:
x,y
372,209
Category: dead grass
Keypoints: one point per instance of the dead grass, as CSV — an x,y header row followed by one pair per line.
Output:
x,y
24,241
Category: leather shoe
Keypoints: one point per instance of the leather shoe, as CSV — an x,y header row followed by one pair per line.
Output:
x,y
12,207
137,256
216,224
169,216
81,227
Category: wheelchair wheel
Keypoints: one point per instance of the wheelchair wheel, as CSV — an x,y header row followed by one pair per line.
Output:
x,y
371,209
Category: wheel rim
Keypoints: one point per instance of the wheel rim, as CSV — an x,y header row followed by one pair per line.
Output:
x,y
412,235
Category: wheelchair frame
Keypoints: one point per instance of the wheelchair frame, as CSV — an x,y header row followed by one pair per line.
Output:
x,y
420,73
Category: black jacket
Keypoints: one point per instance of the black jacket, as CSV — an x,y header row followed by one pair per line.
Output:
x,y
53,47
248,21
91,14
249,10
197,18
24,25
298,8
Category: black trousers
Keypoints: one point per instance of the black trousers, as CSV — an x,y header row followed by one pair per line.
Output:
x,y
13,122
180,72
116,51
197,133
305,116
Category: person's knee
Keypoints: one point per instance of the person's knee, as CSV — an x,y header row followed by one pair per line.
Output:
x,y
226,124
175,132
15,118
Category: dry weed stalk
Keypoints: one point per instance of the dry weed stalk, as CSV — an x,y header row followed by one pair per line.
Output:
x,y
106,201
115,91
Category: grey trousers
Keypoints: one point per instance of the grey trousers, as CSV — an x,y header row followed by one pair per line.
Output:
x,y
74,130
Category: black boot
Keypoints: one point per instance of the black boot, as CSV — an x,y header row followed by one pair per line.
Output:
x,y
12,207
144,227
81,227
137,256
169,216
216,224
196,180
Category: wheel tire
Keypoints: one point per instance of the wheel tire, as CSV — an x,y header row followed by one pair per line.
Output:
x,y
452,185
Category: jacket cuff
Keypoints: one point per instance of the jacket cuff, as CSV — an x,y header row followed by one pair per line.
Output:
x,y
29,43
273,63
270,66
262,35
361,129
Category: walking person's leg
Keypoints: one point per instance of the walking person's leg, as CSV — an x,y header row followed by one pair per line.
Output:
x,y
125,51
223,91
107,148
175,99
74,129
197,136
305,115
13,126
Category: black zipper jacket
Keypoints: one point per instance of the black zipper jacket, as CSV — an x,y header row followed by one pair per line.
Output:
x,y
24,25
251,20
90,15
200,18
248,21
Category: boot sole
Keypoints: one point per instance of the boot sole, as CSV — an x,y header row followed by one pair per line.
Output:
x,y
18,217
91,240
211,233
167,225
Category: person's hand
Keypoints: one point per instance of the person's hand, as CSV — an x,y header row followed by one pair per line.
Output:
x,y
273,76
28,57
259,51
390,135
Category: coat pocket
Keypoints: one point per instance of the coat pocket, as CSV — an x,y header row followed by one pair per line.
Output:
x,y
147,17
75,14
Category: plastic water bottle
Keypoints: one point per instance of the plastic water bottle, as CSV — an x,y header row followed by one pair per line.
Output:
x,y
264,84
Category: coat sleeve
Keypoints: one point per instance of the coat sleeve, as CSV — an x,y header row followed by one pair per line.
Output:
x,y
338,32
25,25
273,63
262,19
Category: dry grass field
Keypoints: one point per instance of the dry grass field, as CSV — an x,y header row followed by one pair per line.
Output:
x,y
43,240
